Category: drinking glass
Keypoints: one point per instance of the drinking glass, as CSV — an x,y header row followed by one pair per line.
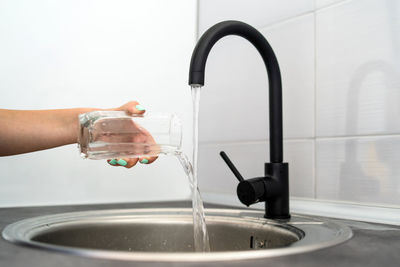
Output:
x,y
115,134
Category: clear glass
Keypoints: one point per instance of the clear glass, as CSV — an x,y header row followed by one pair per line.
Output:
x,y
114,134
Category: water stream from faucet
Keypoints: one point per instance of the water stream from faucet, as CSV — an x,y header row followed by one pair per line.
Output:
x,y
200,231
201,239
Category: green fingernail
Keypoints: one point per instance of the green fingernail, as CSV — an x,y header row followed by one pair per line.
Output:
x,y
140,107
145,161
113,162
122,162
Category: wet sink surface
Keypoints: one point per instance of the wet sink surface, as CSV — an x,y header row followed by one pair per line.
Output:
x,y
165,234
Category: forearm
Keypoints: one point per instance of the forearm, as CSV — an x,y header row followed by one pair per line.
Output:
x,y
23,131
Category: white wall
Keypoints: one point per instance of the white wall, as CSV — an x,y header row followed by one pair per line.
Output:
x,y
341,86
65,54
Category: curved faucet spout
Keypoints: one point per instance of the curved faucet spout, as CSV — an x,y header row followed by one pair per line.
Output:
x,y
273,188
198,64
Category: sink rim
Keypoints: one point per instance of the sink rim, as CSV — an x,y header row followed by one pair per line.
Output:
x,y
21,231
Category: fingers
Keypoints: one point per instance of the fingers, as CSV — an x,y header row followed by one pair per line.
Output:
x,y
130,162
133,107
147,160
137,109
125,162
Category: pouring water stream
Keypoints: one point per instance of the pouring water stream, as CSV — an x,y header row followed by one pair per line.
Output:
x,y
201,239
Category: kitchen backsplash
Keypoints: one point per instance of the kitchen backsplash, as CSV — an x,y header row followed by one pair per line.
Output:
x,y
340,64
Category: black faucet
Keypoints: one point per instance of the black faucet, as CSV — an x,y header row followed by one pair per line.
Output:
x,y
273,188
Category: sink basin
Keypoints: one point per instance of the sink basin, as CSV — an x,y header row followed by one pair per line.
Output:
x,y
167,234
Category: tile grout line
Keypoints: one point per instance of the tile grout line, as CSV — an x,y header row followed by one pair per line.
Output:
x,y
313,11
288,19
252,142
322,138
280,21
197,21
315,102
331,5
313,139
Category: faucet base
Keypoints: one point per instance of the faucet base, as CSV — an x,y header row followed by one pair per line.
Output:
x,y
277,187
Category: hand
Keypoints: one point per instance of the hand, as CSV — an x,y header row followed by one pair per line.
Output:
x,y
132,108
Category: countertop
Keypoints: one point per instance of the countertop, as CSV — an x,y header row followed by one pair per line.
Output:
x,y
371,245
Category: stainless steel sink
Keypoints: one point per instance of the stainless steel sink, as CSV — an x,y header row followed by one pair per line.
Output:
x,y
167,234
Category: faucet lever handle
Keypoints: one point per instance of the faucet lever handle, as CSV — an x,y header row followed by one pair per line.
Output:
x,y
228,162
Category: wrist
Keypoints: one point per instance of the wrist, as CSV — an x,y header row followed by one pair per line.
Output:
x,y
72,125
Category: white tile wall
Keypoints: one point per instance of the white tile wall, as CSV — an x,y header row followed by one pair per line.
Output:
x,y
358,68
343,52
234,103
64,54
293,43
249,159
258,13
325,3
235,69
365,170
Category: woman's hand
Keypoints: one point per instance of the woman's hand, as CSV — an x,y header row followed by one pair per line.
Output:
x,y
132,108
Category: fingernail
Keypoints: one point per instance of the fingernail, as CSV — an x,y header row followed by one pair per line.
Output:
x,y
112,162
145,161
140,107
122,162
